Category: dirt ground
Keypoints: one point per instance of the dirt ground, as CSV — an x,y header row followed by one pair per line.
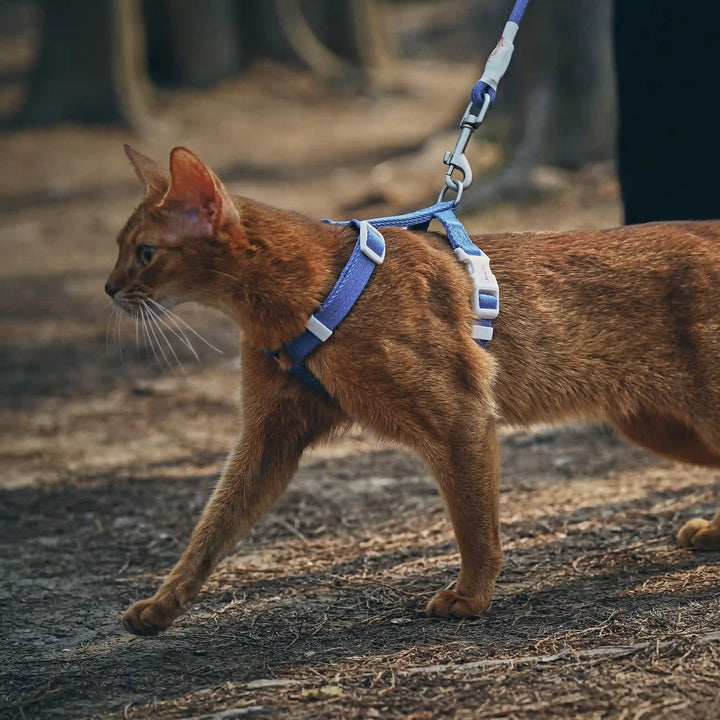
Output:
x,y
108,458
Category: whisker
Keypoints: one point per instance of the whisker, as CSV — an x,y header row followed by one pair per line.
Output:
x,y
153,319
191,329
136,315
182,337
147,335
220,272
159,344
121,344
107,330
138,322
95,308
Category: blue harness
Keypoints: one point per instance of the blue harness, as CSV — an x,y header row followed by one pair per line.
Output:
x,y
369,251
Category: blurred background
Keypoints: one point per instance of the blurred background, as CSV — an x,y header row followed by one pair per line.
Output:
x,y
329,80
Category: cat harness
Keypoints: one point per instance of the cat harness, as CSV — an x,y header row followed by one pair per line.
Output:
x,y
369,250
368,253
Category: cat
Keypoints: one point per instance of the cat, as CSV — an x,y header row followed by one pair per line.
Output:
x,y
619,325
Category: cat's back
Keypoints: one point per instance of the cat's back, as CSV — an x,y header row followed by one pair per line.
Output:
x,y
602,312
660,243
631,264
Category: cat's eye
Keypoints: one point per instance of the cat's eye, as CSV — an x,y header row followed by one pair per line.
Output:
x,y
145,254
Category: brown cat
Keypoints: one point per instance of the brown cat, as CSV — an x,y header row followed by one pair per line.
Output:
x,y
618,325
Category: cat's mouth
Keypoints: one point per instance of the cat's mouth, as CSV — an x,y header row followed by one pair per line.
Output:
x,y
139,305
131,303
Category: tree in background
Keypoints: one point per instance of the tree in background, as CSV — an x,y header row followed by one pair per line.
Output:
x,y
98,57
91,66
101,59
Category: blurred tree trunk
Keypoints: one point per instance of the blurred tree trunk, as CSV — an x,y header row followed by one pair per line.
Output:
x,y
667,54
335,38
91,66
204,41
558,97
193,43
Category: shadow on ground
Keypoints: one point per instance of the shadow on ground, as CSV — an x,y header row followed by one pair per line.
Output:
x,y
333,581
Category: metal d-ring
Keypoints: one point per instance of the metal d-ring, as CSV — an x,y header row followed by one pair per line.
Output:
x,y
457,187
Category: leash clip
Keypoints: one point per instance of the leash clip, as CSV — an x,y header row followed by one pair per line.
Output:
x,y
457,160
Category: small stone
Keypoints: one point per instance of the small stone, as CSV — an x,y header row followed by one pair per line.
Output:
x,y
142,388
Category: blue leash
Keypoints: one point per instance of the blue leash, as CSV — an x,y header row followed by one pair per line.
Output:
x,y
482,96
369,250
489,81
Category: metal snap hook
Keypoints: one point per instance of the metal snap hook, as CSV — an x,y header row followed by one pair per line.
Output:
x,y
457,160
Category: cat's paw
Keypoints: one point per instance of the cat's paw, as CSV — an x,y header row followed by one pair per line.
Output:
x,y
149,617
699,534
448,603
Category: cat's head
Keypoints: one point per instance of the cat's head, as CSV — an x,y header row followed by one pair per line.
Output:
x,y
167,247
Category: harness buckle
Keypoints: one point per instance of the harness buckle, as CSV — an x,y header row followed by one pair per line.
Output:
x,y
369,234
484,282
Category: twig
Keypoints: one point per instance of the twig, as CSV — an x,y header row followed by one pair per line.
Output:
x,y
602,652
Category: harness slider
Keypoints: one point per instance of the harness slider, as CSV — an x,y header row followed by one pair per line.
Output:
x,y
318,329
369,235
483,333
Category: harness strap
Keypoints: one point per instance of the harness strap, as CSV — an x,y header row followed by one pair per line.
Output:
x,y
456,233
486,299
369,251
408,220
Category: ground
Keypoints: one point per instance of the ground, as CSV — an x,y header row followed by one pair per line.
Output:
x,y
108,458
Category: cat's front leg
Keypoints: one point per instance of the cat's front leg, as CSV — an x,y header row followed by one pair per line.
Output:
x,y
278,426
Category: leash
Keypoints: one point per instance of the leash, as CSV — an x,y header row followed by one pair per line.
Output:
x,y
369,250
482,96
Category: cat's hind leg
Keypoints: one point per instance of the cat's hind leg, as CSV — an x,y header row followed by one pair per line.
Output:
x,y
701,534
677,440
465,466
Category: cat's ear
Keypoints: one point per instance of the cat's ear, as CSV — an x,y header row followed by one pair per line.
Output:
x,y
196,189
148,171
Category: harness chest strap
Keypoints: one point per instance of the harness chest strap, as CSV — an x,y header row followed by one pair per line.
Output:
x,y
369,251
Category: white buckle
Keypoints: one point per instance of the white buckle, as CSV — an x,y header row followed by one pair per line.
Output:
x,y
366,249
320,331
483,282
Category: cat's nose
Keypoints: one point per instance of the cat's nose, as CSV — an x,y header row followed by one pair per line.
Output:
x,y
110,289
